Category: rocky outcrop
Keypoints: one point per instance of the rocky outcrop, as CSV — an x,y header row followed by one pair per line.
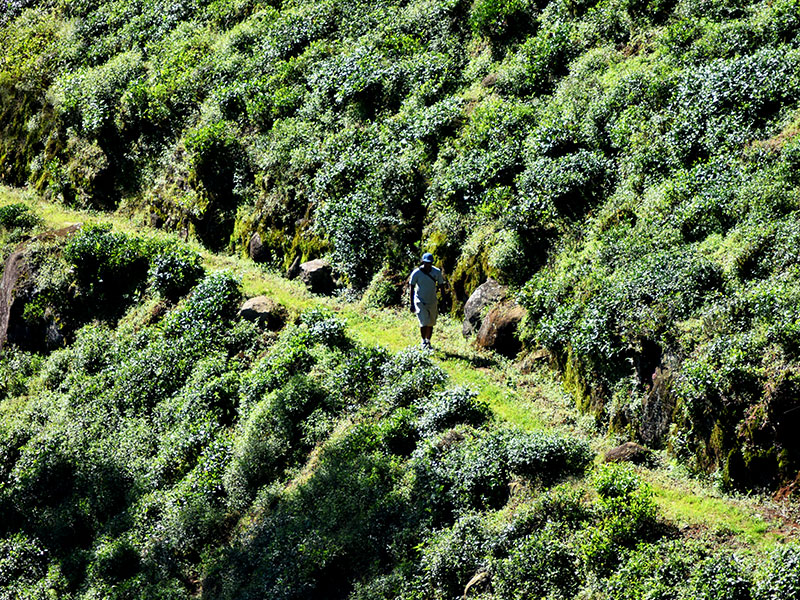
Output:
x,y
488,293
789,491
12,294
41,331
532,361
256,249
498,330
317,276
628,452
658,408
294,269
264,311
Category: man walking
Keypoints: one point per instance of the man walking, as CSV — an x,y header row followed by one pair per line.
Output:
x,y
422,287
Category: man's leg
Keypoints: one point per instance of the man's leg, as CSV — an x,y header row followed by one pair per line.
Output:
x,y
427,333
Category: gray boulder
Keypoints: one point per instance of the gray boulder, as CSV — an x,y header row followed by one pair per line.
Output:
x,y
264,311
17,290
294,269
317,275
488,293
628,452
498,330
256,249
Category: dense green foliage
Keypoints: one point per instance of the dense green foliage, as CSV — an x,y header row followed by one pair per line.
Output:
x,y
631,166
17,216
183,453
89,274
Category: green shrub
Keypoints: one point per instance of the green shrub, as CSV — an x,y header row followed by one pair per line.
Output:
x,y
452,556
290,355
354,224
114,560
486,153
357,379
547,457
626,504
409,376
206,312
540,565
780,575
109,266
18,216
571,184
459,471
25,571
723,577
449,408
16,370
562,507
658,571
709,122
383,291
324,328
220,172
174,271
89,97
259,452
195,512
498,17
539,62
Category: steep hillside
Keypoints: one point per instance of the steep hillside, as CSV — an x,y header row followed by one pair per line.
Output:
x,y
630,167
171,449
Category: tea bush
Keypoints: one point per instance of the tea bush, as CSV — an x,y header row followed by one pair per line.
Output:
x,y
18,216
449,408
17,368
452,556
778,577
324,328
546,457
357,379
212,304
174,271
290,355
540,565
660,570
410,375
626,504
108,266
723,577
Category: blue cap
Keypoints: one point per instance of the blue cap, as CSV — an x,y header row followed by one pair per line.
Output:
x,y
427,257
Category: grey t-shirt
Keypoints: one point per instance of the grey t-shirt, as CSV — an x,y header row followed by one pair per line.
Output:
x,y
424,286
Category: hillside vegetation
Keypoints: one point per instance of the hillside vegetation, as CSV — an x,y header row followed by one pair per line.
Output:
x,y
629,166
172,449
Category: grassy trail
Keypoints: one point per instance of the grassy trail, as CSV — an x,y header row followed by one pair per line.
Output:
x,y
530,401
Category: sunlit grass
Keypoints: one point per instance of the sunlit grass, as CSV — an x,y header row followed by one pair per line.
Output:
x,y
720,517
